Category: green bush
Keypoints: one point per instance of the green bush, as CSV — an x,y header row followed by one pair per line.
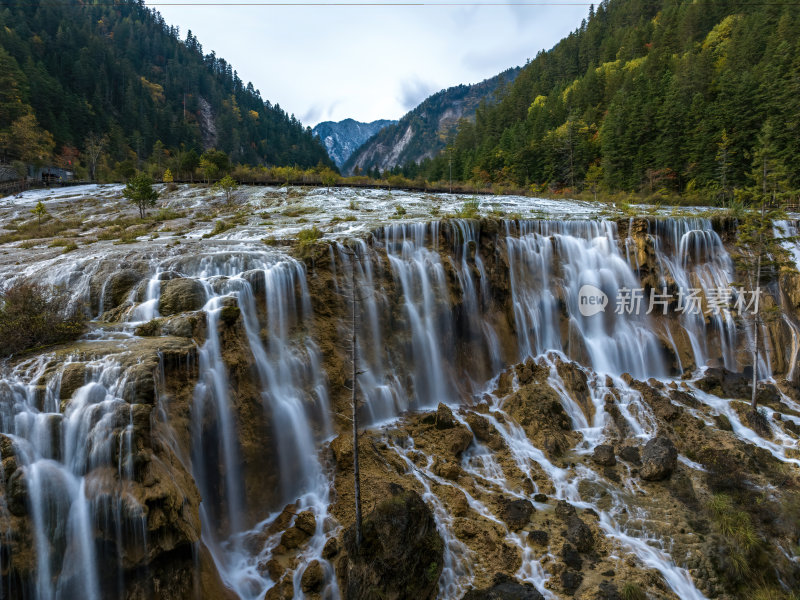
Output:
x,y
32,316
470,210
306,237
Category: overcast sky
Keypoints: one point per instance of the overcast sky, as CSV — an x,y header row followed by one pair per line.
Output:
x,y
369,62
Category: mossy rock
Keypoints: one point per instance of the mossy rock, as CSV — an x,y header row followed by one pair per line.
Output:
x,y
181,295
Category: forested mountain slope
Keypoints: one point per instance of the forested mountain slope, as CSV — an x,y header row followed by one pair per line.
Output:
x,y
672,96
118,70
424,131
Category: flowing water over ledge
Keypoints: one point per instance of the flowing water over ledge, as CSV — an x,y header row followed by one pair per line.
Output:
x,y
198,414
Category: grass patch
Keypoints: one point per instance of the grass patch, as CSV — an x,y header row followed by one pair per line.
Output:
x,y
309,236
31,230
219,227
470,209
632,591
298,211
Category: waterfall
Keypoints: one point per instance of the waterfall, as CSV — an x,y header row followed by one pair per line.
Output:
x,y
61,459
288,375
549,263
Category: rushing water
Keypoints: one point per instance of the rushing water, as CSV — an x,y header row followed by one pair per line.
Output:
x,y
429,331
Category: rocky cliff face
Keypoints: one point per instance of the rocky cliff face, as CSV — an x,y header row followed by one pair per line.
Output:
x,y
197,442
423,132
343,138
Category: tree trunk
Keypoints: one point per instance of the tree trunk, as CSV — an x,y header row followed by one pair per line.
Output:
x,y
356,471
760,250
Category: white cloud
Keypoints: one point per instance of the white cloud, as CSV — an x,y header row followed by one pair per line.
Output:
x,y
370,62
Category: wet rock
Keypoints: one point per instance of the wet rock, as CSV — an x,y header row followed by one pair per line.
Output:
x,y
181,295
283,590
571,557
483,430
183,325
604,455
119,286
630,454
727,384
17,492
607,591
401,550
505,588
274,569
330,549
72,377
293,537
313,577
722,422
571,581
306,522
659,459
538,537
541,498
759,423
457,440
229,315
516,513
150,329
447,468
444,417
579,534
564,510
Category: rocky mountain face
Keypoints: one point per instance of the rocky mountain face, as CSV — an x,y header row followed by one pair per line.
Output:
x,y
423,132
342,138
196,442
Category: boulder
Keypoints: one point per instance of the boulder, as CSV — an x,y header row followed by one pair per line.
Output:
x,y
571,557
118,287
516,513
306,522
181,295
444,417
579,534
571,580
630,454
604,455
659,459
313,577
72,377
401,550
538,537
505,588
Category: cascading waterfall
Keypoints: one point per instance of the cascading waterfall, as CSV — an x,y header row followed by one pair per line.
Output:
x,y
63,458
692,254
288,374
429,331
549,261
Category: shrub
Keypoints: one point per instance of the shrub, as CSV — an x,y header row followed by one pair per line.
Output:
x,y
470,210
32,316
306,237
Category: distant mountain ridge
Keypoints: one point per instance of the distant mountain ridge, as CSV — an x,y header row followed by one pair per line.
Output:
x,y
342,138
422,132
